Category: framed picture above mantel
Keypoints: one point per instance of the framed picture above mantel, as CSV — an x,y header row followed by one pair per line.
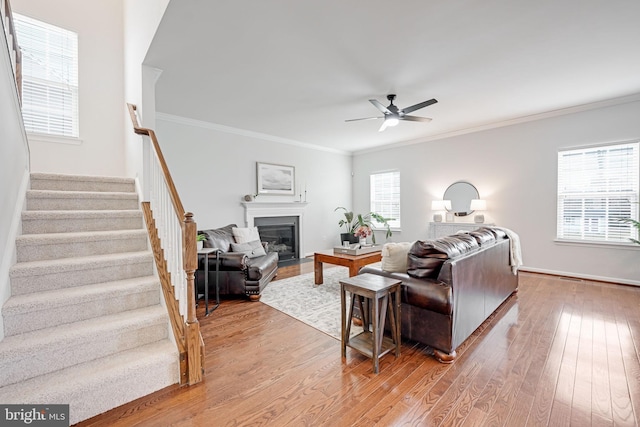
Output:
x,y
275,179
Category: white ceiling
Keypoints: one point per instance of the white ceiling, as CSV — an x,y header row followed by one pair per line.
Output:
x,y
296,70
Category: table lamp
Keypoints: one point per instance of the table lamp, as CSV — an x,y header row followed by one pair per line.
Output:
x,y
478,205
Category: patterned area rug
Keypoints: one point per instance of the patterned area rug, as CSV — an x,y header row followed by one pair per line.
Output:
x,y
316,305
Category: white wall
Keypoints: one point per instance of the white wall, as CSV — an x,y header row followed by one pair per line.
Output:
x,y
141,19
212,170
14,169
515,169
99,24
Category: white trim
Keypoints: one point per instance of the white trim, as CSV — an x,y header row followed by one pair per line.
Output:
x,y
254,210
56,139
612,280
242,132
597,244
597,145
503,123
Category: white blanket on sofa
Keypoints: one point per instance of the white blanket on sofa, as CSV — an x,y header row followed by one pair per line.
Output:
x,y
515,251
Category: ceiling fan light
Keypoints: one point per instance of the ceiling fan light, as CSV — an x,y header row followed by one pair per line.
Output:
x,y
391,121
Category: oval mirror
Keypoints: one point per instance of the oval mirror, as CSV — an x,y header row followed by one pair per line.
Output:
x,y
461,193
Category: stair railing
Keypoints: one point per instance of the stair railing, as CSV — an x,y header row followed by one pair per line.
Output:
x,y
172,232
12,41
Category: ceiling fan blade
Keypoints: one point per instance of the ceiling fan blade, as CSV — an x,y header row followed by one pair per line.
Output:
x,y
379,106
418,106
383,126
415,118
366,118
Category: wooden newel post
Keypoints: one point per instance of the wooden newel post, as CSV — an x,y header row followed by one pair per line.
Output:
x,y
190,259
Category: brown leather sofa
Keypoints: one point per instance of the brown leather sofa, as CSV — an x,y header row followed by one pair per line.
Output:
x,y
238,274
452,285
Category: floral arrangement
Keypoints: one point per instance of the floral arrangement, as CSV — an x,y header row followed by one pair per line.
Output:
x,y
363,232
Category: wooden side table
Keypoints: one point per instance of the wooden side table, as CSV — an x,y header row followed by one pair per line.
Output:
x,y
384,296
205,252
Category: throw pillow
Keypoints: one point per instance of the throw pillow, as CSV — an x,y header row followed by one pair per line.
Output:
x,y
394,257
251,249
244,235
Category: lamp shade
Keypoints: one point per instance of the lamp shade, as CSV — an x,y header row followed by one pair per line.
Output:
x,y
437,205
478,205
440,205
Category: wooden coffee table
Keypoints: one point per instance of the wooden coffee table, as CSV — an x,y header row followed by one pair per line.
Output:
x,y
354,262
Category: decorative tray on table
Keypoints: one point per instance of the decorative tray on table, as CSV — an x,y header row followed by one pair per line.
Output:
x,y
356,249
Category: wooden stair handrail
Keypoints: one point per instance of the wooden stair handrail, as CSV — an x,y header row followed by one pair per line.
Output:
x,y
191,344
16,48
175,198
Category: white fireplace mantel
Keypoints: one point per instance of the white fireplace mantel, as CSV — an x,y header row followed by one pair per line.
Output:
x,y
254,210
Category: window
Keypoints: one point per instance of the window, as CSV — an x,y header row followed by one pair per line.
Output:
x,y
597,189
385,196
49,77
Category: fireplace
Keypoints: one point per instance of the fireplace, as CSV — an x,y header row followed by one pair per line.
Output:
x,y
279,223
282,235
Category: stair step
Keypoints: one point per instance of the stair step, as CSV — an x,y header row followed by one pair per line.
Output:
x,y
43,351
38,276
36,222
94,387
40,247
31,312
38,200
62,182
84,324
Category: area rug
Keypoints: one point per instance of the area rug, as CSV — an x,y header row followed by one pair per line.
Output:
x,y
316,305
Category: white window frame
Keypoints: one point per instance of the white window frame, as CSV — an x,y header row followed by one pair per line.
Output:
x,y
50,80
385,202
597,186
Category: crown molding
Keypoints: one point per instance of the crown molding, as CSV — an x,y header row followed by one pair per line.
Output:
x,y
242,132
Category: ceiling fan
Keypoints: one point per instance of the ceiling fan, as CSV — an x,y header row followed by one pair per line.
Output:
x,y
392,114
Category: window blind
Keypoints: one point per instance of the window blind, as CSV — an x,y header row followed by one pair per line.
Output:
x,y
597,189
385,196
50,77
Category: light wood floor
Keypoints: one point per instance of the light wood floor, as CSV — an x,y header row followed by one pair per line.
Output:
x,y
560,352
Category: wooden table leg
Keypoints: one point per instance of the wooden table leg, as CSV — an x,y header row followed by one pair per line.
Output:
x,y
376,335
353,269
317,268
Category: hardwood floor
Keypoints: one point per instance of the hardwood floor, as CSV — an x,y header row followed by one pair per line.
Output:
x,y
560,352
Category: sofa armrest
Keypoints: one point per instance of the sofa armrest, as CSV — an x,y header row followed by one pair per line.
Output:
x,y
231,260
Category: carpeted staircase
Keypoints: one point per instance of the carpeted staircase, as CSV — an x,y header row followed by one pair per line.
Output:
x,y
84,324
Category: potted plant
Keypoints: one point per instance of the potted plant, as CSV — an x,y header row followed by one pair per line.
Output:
x,y
635,224
360,226
200,238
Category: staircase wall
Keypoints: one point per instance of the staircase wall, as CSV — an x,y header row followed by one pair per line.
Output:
x,y
99,150
14,168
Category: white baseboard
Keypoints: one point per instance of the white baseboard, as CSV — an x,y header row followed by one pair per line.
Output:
x,y
581,276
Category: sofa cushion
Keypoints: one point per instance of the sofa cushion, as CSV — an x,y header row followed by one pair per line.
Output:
x,y
483,236
426,257
245,235
220,238
251,249
394,257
